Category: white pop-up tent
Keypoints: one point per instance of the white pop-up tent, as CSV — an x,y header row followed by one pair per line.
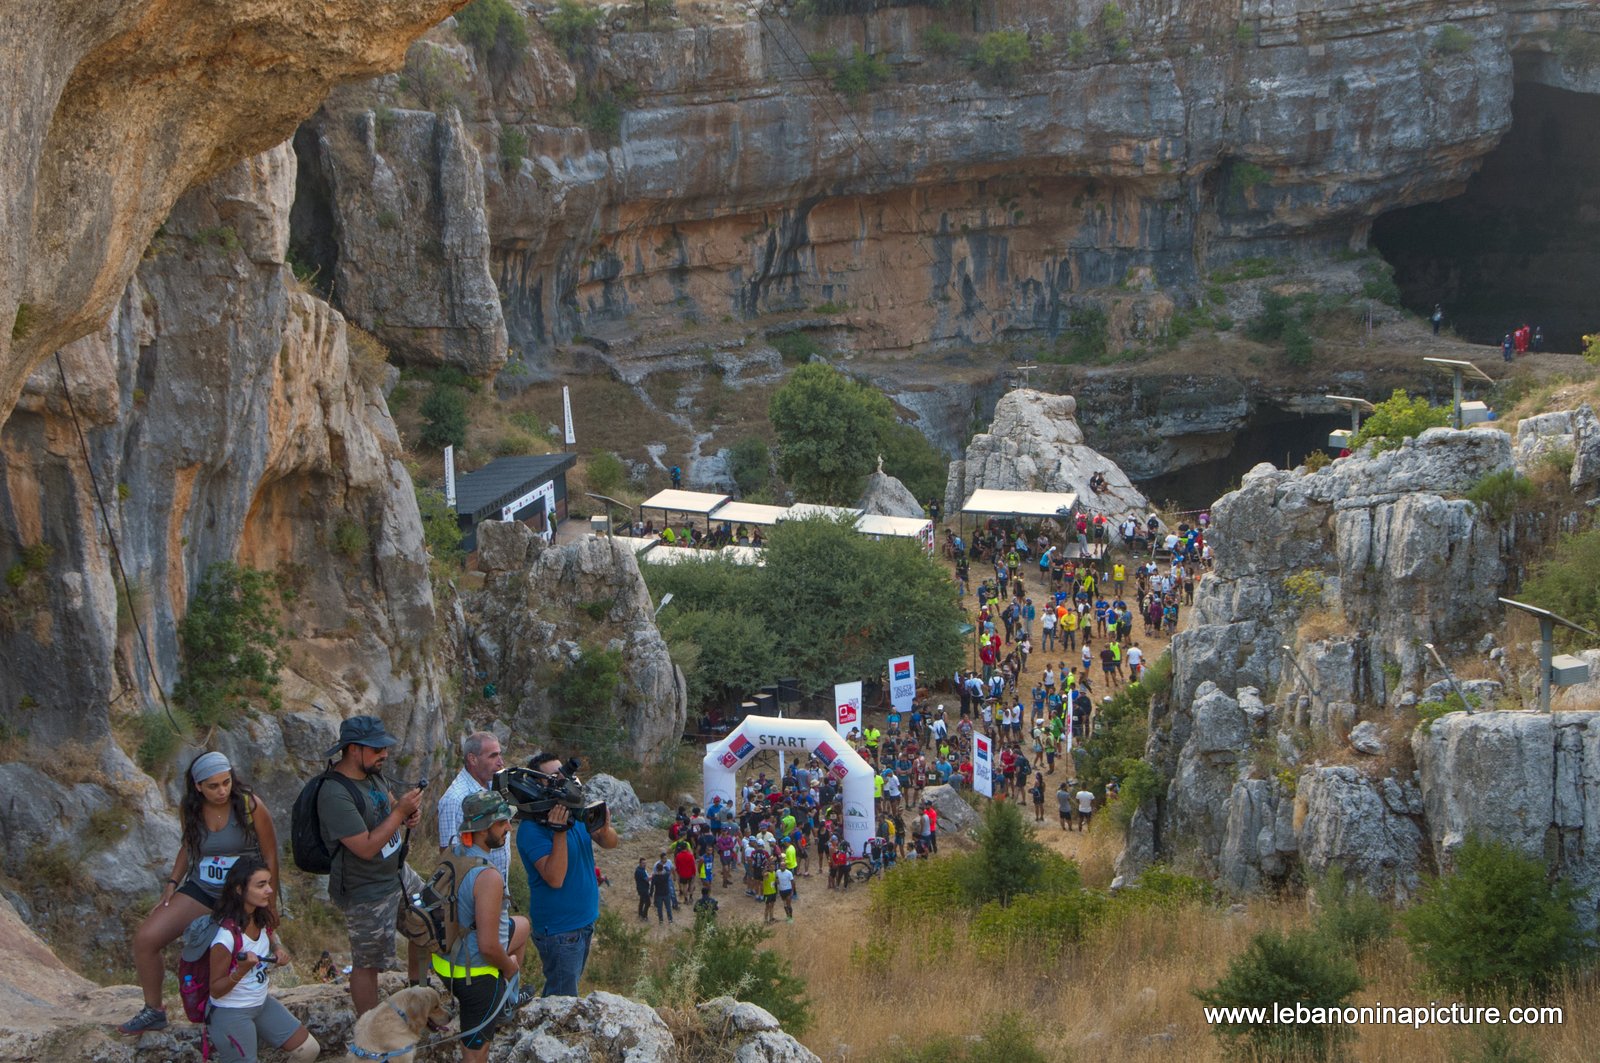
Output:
x,y
801,737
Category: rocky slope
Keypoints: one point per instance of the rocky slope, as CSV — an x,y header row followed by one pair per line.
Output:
x,y
1117,163
1289,739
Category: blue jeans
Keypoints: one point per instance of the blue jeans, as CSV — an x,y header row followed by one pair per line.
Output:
x,y
563,956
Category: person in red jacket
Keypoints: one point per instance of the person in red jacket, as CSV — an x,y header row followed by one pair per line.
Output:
x,y
1521,338
683,862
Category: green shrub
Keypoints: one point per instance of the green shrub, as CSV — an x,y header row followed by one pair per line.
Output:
x,y
1009,860
1300,967
495,30
230,640
1005,1038
574,27
919,890
620,952
1499,493
750,464
444,418
1297,349
605,472
1351,918
1161,887
513,149
1304,586
1564,581
1120,731
158,742
349,538
1380,283
911,457
1077,45
1496,924
1452,40
858,75
1591,347
1001,54
600,609
796,348
440,531
1396,419
1085,338
1035,924
942,42
727,960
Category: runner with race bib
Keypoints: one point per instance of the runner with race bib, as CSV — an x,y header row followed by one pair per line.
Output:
x,y
221,822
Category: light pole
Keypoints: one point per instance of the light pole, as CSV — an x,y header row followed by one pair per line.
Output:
x,y
1458,369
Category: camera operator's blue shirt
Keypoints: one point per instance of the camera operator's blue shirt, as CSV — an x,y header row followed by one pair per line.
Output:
x,y
577,903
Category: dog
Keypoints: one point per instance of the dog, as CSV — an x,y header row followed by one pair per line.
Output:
x,y
401,1021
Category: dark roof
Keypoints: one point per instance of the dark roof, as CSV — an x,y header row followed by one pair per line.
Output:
x,y
488,489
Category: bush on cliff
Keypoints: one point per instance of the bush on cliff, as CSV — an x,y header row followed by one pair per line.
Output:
x,y
495,30
1564,582
444,418
230,638
1496,924
1397,419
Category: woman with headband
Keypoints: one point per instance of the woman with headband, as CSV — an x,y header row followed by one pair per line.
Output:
x,y
221,821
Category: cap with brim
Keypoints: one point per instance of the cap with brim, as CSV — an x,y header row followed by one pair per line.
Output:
x,y
483,809
362,731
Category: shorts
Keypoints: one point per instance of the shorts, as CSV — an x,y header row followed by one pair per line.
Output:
x,y
478,997
786,894
237,1033
191,889
727,859
372,924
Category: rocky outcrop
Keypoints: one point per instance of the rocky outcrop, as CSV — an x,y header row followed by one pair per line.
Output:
x,y
534,620
396,201
1353,567
1034,444
886,495
119,106
954,813
1561,437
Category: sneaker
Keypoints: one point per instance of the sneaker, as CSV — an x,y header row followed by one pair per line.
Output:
x,y
148,1019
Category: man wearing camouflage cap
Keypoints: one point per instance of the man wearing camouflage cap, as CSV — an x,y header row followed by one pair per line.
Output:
x,y
481,965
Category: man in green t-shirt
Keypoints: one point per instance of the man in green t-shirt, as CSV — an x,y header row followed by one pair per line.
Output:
x,y
369,877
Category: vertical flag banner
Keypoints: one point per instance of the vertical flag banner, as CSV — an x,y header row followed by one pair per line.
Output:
x,y
847,706
450,474
902,682
566,413
982,764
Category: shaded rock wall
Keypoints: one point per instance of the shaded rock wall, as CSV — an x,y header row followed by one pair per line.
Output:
x,y
225,417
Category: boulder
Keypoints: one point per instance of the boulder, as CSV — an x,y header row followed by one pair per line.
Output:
x,y
1364,738
954,812
626,812
1586,448
889,497
1034,444
504,545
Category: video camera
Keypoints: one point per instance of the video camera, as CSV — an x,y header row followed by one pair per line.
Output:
x,y
534,793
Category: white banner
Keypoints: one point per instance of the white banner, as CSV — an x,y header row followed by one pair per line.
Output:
x,y
982,764
902,682
847,706
566,413
450,474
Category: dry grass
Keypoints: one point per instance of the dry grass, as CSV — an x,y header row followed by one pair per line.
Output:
x,y
1126,993
1324,623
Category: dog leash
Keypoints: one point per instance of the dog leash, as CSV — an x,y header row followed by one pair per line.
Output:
x,y
418,1046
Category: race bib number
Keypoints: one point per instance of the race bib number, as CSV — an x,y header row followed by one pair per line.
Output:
x,y
214,869
392,847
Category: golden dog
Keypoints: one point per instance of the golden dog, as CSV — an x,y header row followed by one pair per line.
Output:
x,y
400,1022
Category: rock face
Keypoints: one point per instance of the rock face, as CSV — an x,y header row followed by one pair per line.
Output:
x,y
532,622
1561,436
949,210
226,418
1355,566
1034,444
119,106
886,495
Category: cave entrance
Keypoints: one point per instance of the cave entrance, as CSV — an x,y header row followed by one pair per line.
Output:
x,y
313,244
1279,436
1522,243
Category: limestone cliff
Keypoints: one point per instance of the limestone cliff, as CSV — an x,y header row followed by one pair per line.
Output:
x,y
117,107
938,206
225,417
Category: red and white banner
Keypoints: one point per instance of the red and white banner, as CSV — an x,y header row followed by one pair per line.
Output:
x,y
982,763
902,682
847,706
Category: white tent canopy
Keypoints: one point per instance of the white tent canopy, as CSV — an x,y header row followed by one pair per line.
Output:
x,y
899,527
1021,503
749,513
634,543
662,554
701,503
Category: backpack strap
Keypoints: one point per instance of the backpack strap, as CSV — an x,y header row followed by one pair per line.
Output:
x,y
355,795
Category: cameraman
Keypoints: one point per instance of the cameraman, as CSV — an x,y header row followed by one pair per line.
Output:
x,y
563,892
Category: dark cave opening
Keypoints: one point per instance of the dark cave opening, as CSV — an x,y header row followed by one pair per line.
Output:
x,y
1281,437
1522,244
313,244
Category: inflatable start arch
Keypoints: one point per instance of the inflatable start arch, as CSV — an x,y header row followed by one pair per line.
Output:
x,y
800,738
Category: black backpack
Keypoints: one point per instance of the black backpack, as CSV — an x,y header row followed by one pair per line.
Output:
x,y
311,853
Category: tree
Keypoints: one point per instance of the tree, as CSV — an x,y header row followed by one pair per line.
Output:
x,y
1001,54
750,464
828,429
732,652
916,462
495,30
230,638
444,417
1396,419
1008,861
1299,967
1497,923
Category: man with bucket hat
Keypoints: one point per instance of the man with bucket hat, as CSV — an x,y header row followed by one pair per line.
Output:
x,y
365,823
